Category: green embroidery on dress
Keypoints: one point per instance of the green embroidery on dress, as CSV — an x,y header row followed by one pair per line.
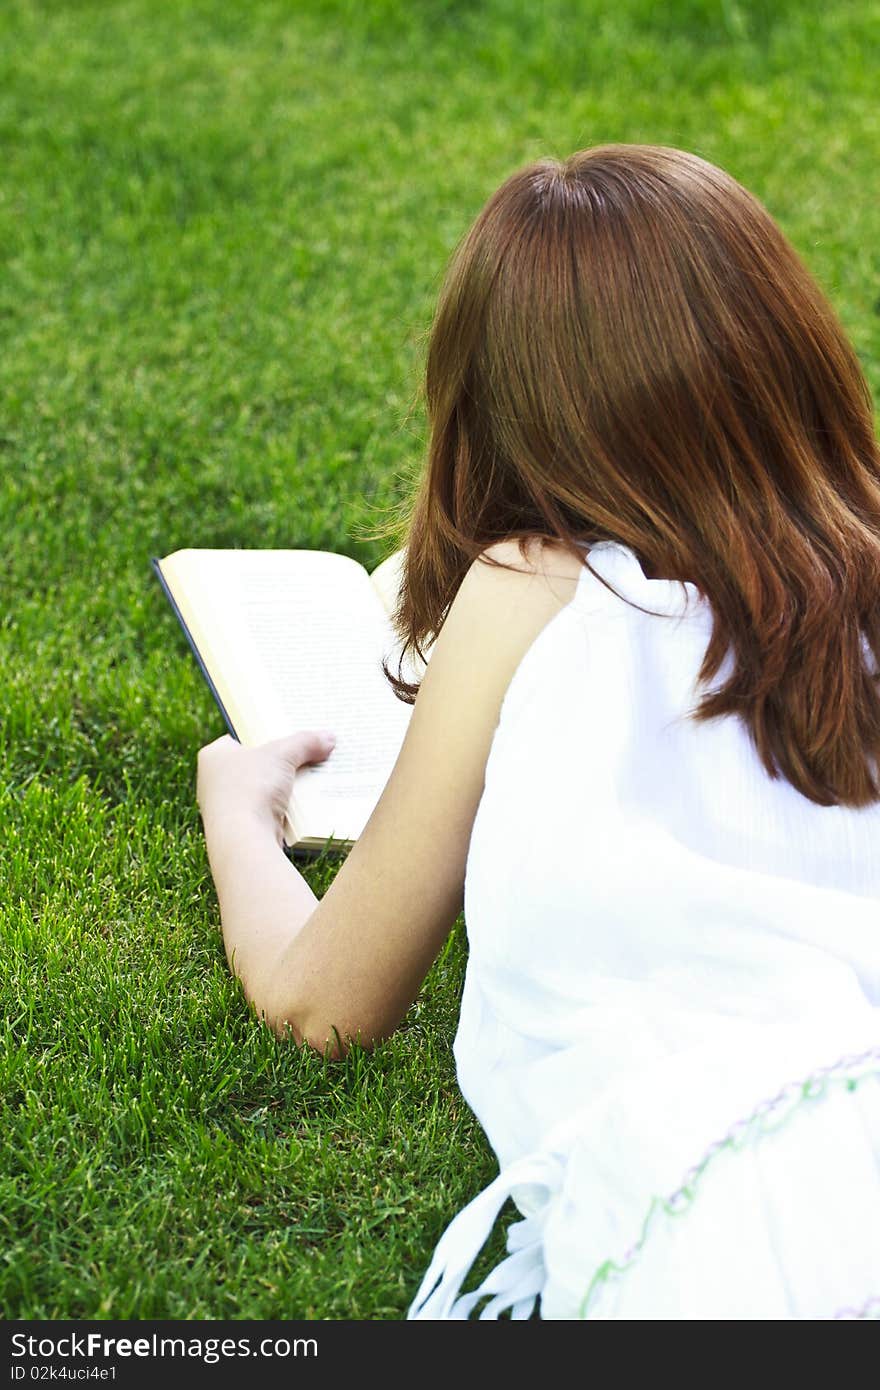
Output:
x,y
767,1117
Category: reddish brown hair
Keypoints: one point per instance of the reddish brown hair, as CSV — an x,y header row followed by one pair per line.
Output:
x,y
627,348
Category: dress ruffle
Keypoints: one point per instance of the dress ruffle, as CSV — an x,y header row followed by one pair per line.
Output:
x,y
750,1231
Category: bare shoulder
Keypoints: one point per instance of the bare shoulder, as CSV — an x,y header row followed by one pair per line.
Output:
x,y
540,574
535,554
508,595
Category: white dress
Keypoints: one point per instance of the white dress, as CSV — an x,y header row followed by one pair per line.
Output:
x,y
670,1027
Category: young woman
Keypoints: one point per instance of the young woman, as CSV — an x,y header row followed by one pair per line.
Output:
x,y
643,758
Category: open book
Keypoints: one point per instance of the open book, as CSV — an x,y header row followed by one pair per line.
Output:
x,y
294,639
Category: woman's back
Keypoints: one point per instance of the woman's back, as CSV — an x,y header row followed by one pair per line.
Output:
x,y
663,940
651,835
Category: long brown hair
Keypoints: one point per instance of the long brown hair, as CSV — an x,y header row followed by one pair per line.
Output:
x,y
627,348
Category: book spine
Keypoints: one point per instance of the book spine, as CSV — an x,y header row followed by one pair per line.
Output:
x,y
157,570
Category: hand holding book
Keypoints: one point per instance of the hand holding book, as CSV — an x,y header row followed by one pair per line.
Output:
x,y
293,640
256,782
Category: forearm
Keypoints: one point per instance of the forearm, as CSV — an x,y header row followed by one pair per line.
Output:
x,y
264,901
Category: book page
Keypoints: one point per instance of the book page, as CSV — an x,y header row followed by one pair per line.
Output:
x,y
386,579
295,640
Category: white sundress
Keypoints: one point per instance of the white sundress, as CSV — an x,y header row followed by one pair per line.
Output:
x,y
670,1026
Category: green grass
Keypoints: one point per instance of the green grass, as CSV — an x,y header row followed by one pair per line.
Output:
x,y
222,230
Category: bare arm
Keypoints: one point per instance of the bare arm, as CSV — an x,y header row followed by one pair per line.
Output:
x,y
351,964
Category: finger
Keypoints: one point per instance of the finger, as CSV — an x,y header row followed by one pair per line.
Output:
x,y
308,746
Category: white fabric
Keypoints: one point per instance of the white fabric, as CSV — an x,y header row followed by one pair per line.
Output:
x,y
665,945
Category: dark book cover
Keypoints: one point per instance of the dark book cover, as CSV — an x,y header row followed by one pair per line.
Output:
x,y
157,570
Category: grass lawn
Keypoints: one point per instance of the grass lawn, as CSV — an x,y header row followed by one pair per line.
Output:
x,y
222,230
